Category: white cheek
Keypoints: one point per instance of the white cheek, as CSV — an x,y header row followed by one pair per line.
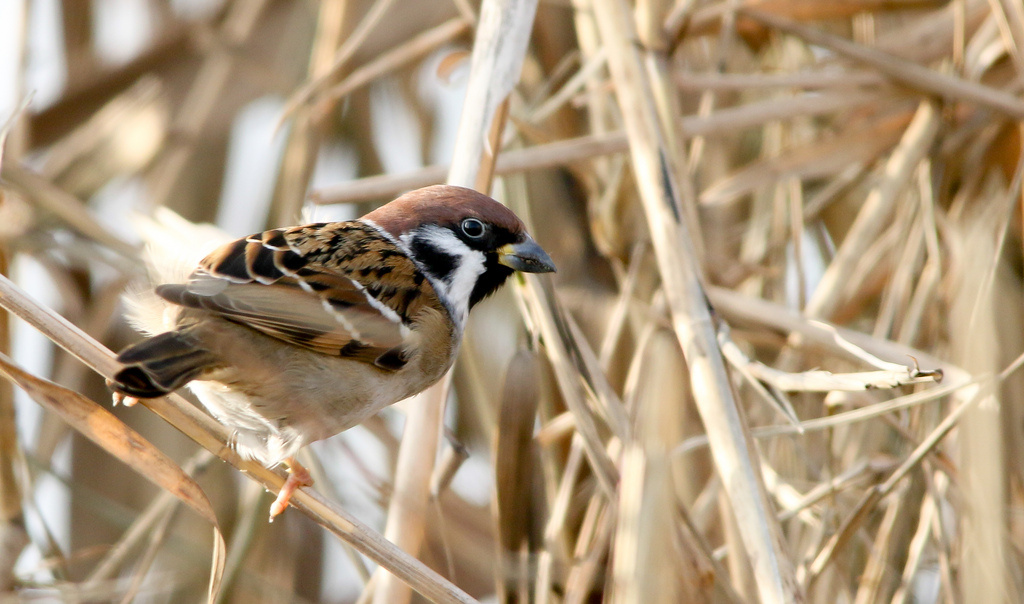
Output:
x,y
457,287
463,280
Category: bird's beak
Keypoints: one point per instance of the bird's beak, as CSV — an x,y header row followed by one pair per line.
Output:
x,y
526,256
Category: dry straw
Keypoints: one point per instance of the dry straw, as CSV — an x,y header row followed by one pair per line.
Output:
x,y
778,225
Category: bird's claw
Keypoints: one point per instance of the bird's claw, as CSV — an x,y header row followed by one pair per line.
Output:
x,y
298,476
120,398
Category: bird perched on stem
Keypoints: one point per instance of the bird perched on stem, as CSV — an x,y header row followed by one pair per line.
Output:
x,y
295,334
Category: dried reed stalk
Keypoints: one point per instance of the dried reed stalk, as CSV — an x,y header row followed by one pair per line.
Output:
x,y
735,457
840,180
214,437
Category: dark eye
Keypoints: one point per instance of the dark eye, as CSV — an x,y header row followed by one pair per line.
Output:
x,y
473,228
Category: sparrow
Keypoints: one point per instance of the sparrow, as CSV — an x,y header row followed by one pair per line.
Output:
x,y
296,334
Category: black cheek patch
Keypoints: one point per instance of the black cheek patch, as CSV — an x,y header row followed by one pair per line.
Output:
x,y
438,263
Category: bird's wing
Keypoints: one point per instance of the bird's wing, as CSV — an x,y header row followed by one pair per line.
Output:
x,y
340,289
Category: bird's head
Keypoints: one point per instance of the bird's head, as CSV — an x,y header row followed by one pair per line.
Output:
x,y
467,243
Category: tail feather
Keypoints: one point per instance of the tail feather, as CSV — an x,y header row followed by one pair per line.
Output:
x,y
161,364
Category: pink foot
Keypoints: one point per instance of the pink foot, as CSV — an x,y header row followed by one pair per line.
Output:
x,y
298,476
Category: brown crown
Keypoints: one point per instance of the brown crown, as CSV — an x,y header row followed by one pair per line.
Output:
x,y
442,205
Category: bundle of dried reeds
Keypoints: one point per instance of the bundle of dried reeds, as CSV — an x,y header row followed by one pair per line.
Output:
x,y
778,361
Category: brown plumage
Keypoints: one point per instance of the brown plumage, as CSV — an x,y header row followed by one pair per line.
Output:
x,y
437,205
293,335
333,285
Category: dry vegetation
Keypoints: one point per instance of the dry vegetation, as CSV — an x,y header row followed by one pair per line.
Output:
x,y
841,180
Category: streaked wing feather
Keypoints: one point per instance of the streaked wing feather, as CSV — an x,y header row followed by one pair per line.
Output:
x,y
287,312
340,288
317,309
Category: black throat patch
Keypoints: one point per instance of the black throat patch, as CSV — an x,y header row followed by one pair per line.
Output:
x,y
494,276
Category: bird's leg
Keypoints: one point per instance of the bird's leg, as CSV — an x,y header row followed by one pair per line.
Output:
x,y
298,476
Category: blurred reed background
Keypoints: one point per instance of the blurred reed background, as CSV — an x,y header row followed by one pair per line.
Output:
x,y
841,180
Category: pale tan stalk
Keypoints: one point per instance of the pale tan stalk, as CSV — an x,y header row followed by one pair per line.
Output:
x,y
558,153
203,98
325,77
390,61
911,74
498,51
876,211
735,457
307,126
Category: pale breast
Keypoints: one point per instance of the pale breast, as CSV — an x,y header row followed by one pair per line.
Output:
x,y
278,397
